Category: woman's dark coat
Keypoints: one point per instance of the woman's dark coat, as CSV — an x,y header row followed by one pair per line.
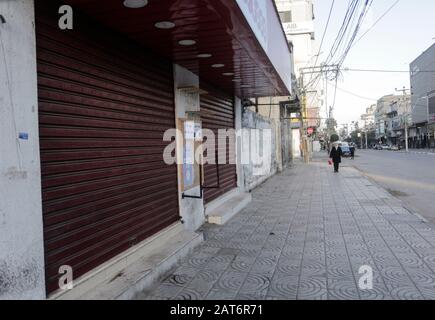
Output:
x,y
336,154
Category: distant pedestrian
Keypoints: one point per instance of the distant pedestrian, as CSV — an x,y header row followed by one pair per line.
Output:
x,y
335,155
352,152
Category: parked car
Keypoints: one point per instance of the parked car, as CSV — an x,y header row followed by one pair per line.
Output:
x,y
386,147
383,147
346,149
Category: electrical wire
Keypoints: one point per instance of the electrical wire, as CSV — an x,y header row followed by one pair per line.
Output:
x,y
386,70
355,95
377,21
324,34
361,19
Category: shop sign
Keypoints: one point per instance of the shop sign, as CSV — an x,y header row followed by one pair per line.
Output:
x,y
294,28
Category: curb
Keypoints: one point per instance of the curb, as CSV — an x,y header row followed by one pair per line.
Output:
x,y
412,211
417,152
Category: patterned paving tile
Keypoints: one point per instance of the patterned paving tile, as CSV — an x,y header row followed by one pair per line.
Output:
x,y
166,291
284,286
299,240
230,281
255,283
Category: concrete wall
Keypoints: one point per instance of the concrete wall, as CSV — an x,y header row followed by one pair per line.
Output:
x,y
286,143
21,232
296,143
252,120
269,108
191,210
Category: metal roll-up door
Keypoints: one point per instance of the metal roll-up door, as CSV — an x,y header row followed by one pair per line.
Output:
x,y
217,112
104,106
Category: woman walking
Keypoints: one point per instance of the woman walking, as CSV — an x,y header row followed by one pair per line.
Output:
x,y
335,155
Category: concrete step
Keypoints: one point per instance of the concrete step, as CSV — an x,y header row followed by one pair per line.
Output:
x,y
225,208
138,270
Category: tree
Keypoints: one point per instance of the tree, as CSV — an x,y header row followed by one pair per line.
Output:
x,y
334,138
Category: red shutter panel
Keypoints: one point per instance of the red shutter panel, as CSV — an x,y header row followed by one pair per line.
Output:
x,y
104,106
217,112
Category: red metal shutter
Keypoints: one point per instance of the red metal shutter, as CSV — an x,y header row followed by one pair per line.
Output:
x,y
217,112
104,106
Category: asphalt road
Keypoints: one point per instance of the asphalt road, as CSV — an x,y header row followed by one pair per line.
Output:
x,y
410,177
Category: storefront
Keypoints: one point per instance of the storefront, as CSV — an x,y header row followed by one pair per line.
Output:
x,y
107,89
104,106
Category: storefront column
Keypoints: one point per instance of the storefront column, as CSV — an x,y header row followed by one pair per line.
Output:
x,y
191,210
21,233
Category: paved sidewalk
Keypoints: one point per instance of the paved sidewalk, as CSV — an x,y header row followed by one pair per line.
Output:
x,y
305,236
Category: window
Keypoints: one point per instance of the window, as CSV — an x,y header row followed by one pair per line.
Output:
x,y
286,16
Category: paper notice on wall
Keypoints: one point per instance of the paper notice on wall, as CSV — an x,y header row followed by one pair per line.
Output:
x,y
188,175
189,153
189,130
188,165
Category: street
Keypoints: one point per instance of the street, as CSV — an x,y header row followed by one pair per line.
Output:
x,y
409,177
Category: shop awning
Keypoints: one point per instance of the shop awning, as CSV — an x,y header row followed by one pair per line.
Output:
x,y
237,45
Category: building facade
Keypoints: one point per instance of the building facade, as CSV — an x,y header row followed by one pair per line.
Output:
x,y
368,118
383,117
423,99
298,20
103,110
390,117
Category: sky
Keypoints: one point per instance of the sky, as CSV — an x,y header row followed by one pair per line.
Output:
x,y
398,39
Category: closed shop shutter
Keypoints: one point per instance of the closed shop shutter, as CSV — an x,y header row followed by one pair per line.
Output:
x,y
217,112
104,106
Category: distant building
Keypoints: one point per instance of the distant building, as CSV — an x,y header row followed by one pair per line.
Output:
x,y
397,116
382,115
423,99
390,114
297,17
368,118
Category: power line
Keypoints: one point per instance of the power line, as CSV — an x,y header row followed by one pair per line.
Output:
x,y
377,21
362,16
347,18
373,70
324,34
386,70
355,95
345,37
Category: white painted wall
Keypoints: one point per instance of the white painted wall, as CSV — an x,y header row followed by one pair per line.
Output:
x,y
296,143
21,232
191,210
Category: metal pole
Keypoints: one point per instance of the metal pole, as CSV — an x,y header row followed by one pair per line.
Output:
x,y
367,140
303,116
406,118
406,132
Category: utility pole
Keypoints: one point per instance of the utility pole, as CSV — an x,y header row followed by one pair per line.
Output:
x,y
303,116
324,69
406,117
367,140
